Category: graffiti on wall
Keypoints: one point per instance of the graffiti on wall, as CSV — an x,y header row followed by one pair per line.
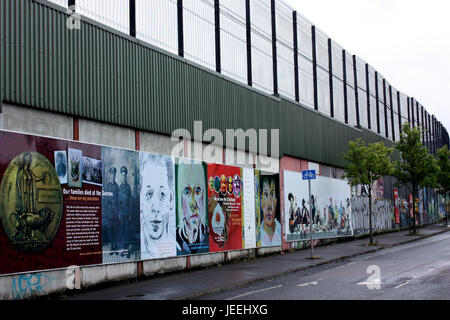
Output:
x,y
382,214
27,285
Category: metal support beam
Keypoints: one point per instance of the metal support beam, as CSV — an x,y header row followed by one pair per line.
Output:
x,y
133,18
399,113
295,42
344,68
392,112
369,123
274,48
314,54
180,28
385,109
355,77
217,34
248,26
330,77
409,113
377,93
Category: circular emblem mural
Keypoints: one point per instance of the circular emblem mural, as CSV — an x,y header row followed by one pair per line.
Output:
x,y
30,202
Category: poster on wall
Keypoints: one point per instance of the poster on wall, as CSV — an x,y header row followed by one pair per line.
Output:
x,y
396,207
411,212
45,223
61,165
157,206
92,171
121,225
248,199
330,203
224,207
268,214
191,195
75,168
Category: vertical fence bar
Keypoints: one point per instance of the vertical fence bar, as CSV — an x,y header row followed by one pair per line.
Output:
x,y
133,18
392,112
296,79
417,113
344,68
314,54
369,123
377,94
249,42
180,28
385,109
330,77
355,77
217,34
430,139
409,113
433,123
426,131
399,113
423,126
274,48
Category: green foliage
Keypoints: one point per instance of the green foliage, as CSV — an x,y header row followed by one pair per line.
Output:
x,y
367,163
443,177
416,166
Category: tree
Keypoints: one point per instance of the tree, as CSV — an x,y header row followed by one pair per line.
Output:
x,y
417,168
365,165
443,177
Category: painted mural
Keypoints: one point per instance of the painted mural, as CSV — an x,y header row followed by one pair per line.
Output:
x,y
330,207
65,203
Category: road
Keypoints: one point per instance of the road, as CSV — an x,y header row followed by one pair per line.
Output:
x,y
418,270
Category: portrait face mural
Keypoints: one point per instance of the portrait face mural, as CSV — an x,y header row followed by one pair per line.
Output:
x,y
270,227
230,185
223,184
268,201
237,186
157,211
191,194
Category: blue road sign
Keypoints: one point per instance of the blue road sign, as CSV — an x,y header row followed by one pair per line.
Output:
x,y
309,174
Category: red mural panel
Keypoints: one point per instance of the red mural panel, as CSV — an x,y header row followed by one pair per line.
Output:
x,y
224,207
36,204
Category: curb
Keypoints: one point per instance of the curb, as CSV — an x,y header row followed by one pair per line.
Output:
x,y
277,274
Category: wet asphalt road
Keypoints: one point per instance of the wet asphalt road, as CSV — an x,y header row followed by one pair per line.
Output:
x,y
419,270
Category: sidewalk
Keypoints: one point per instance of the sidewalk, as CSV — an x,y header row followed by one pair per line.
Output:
x,y
196,283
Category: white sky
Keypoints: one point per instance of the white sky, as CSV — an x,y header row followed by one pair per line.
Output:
x,y
407,41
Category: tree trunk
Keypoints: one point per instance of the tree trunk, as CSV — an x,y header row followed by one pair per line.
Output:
x,y
370,215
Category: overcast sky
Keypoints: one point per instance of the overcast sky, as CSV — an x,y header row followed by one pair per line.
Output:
x,y
407,41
